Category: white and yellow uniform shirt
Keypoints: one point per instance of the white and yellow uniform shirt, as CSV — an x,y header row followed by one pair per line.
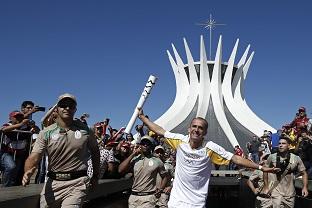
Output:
x,y
193,169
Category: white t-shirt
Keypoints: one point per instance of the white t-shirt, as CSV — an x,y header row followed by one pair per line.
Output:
x,y
193,169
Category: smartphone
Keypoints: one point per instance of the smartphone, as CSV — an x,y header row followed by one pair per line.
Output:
x,y
41,109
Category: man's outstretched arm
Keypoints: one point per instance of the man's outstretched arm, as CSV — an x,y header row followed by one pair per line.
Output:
x,y
249,164
152,126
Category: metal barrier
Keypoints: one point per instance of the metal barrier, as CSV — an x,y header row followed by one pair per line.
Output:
x,y
17,139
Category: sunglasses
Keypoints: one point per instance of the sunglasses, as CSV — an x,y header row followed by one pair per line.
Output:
x,y
159,152
67,105
146,143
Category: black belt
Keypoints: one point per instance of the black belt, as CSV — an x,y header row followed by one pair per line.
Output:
x,y
142,193
66,176
263,195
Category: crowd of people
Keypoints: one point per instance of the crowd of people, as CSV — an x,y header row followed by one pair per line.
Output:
x,y
299,135
67,151
290,150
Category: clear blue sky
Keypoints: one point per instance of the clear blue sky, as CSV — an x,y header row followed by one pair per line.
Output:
x,y
104,51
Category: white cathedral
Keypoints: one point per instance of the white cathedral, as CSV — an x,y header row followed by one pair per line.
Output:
x,y
213,90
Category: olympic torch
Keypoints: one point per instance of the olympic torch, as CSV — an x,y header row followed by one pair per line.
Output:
x,y
147,89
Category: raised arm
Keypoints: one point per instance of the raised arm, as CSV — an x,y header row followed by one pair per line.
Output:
x,y
124,167
152,126
15,126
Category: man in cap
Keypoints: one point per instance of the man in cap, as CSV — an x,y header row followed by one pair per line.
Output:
x,y
145,168
68,144
300,123
194,161
162,201
14,148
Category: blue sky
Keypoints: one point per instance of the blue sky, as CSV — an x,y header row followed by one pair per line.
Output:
x,y
104,51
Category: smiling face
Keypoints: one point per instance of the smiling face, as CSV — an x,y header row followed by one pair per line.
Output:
x,y
197,130
66,108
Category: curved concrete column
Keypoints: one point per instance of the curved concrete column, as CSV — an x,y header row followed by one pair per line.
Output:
x,y
239,96
178,97
235,108
217,98
204,82
182,89
191,94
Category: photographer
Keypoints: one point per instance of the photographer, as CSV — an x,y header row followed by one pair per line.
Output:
x,y
28,108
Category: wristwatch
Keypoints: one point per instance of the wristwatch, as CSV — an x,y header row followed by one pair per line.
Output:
x,y
260,167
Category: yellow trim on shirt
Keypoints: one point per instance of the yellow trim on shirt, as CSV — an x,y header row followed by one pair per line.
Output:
x,y
217,159
173,143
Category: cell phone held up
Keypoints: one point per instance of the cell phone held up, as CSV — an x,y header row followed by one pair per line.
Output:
x,y
41,108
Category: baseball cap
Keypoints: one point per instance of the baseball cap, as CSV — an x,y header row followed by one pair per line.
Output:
x,y
159,147
302,109
15,113
66,95
148,138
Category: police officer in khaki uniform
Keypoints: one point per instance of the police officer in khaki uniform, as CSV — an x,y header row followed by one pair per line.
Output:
x,y
68,144
145,168
162,201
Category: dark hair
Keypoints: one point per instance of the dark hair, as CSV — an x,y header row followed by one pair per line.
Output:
x,y
285,138
27,102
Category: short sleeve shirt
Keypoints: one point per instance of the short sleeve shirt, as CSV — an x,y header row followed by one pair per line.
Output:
x,y
145,172
66,151
193,168
286,185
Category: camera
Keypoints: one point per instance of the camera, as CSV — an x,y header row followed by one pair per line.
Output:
x,y
41,108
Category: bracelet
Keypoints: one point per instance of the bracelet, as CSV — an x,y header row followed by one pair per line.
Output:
x,y
260,167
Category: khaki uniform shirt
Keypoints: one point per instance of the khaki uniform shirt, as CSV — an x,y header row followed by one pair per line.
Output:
x,y
286,186
67,151
145,173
